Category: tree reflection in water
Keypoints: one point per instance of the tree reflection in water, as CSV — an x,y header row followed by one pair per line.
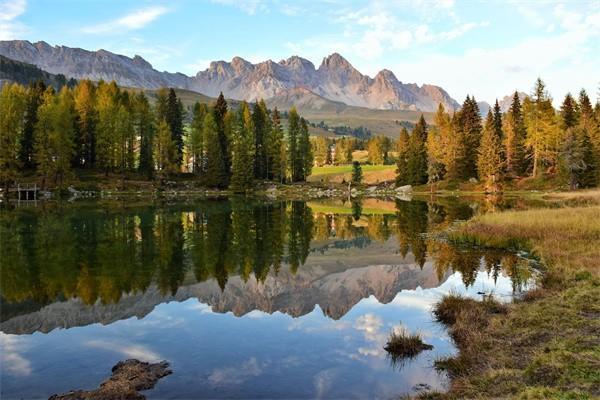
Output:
x,y
99,253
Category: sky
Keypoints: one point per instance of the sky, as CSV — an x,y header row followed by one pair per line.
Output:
x,y
483,48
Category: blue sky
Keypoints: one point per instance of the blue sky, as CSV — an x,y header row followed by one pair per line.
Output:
x,y
485,48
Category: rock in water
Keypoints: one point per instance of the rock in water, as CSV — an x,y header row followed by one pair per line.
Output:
x,y
128,378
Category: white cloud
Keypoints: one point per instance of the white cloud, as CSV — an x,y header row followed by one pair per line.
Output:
x,y
238,374
132,21
128,350
10,357
9,11
250,7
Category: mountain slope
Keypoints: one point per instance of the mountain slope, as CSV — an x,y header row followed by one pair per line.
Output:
x,y
335,79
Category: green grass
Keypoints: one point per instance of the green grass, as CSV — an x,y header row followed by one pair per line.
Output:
x,y
372,174
546,345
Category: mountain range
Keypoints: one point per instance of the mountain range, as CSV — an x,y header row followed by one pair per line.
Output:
x,y
334,83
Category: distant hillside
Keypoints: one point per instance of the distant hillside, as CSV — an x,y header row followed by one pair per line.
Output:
x,y
23,73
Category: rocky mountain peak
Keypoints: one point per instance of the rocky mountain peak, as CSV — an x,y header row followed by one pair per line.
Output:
x,y
335,79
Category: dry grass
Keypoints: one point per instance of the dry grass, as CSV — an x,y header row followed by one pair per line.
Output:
x,y
548,344
403,344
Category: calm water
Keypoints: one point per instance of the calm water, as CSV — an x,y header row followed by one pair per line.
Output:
x,y
244,299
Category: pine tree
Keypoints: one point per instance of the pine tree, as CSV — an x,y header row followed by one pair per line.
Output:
x,y
174,118
568,112
261,123
196,142
242,171
357,174
305,150
416,163
293,148
469,121
144,128
224,125
489,161
402,148
589,135
276,149
217,173
514,138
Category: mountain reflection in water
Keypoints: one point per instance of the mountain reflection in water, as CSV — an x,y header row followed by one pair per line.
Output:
x,y
282,265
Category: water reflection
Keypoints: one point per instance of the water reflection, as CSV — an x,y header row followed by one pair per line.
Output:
x,y
244,298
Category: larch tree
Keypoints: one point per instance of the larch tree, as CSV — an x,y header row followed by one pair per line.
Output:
x,y
542,131
35,94
242,167
54,145
85,143
13,104
165,150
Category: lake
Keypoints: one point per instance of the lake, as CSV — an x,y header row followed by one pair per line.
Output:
x,y
244,298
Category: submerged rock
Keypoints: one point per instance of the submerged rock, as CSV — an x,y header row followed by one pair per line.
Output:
x,y
128,378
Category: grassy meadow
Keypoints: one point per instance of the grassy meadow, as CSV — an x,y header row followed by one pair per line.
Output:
x,y
547,344
372,174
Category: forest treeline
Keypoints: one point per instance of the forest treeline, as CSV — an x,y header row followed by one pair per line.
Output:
x,y
531,139
105,128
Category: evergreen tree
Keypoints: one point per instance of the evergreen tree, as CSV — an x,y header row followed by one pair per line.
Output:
x,y
276,149
357,174
469,121
174,118
589,136
144,128
402,147
217,173
489,161
35,95
224,122
568,112
305,150
416,163
261,123
514,138
293,148
242,170
196,142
